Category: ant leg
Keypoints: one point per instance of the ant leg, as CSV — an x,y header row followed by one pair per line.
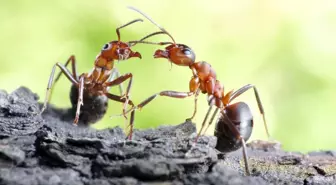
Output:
x,y
126,95
203,124
80,98
71,59
117,30
211,120
211,103
130,133
51,79
115,73
261,109
195,107
247,170
120,99
238,136
173,94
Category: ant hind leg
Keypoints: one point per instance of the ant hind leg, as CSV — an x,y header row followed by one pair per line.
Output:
x,y
261,109
51,81
71,59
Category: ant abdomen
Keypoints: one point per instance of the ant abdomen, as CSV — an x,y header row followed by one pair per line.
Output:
x,y
241,116
93,108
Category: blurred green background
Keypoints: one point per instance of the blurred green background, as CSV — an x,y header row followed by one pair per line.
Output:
x,y
287,49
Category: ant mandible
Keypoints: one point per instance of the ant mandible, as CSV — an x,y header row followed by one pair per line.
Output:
x,y
235,123
90,90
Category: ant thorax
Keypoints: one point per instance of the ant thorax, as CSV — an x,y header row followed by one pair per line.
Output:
x,y
102,62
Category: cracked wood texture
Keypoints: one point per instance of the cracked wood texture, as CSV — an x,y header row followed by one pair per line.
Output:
x,y
43,150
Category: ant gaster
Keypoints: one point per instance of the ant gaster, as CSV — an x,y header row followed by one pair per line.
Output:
x,y
89,91
235,123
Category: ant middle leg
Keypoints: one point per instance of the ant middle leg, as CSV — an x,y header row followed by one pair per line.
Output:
x,y
203,123
195,106
126,95
130,133
51,81
211,104
80,98
120,99
211,120
261,109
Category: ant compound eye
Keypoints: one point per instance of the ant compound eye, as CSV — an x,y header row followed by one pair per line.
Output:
x,y
106,46
189,54
186,51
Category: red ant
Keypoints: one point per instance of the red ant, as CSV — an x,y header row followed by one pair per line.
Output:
x,y
235,123
90,90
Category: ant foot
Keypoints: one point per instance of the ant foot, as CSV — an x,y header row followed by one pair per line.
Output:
x,y
36,113
129,137
39,112
188,120
76,120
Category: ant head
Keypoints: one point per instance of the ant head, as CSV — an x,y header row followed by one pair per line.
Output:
x,y
178,54
117,50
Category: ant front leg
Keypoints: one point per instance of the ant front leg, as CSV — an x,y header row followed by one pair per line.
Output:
x,y
194,85
173,94
261,109
126,95
51,80
195,107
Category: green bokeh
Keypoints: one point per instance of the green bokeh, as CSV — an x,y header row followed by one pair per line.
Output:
x,y
286,49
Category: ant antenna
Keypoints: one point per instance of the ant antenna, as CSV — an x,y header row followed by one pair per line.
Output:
x,y
152,34
147,42
127,24
151,20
